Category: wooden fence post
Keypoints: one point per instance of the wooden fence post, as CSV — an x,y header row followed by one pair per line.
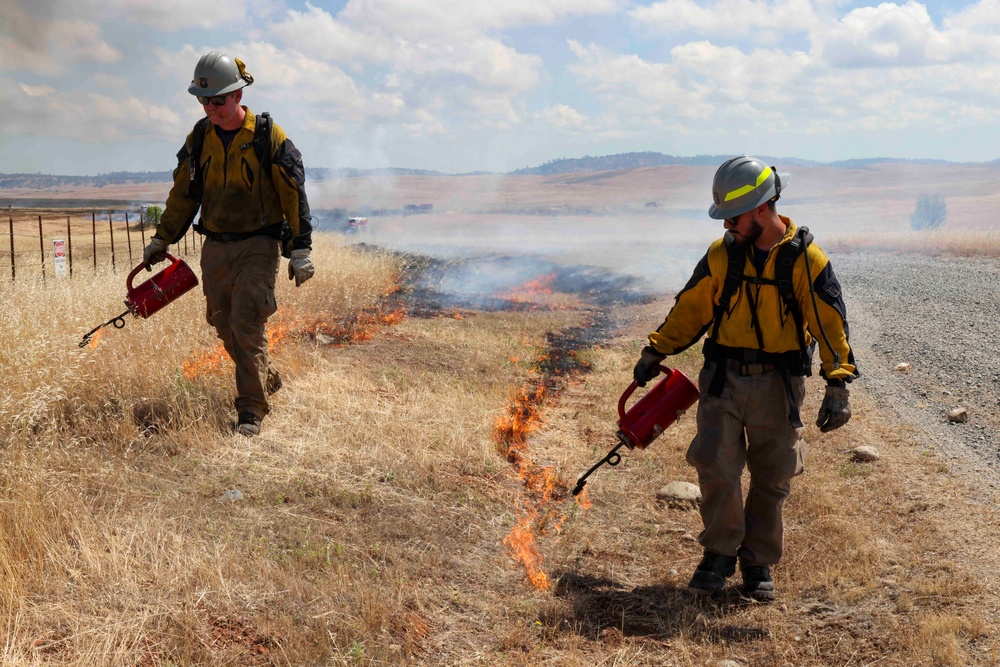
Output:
x,y
41,246
142,227
69,242
111,232
128,239
93,231
13,271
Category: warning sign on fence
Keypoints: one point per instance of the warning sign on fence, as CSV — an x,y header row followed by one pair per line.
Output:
x,y
59,252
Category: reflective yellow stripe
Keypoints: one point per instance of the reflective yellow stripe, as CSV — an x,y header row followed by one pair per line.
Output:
x,y
739,192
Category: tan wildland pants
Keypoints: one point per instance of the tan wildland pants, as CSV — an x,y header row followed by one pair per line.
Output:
x,y
238,280
747,426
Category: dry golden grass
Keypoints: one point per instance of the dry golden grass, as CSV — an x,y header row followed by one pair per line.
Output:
x,y
376,505
974,243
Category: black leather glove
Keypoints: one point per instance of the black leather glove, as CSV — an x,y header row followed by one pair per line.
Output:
x,y
835,410
646,368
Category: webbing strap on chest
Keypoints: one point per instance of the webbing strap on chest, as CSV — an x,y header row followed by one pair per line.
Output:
x,y
796,362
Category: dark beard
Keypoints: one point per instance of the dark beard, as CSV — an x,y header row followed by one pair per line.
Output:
x,y
749,238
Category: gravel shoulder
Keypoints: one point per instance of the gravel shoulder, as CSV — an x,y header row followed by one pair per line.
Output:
x,y
940,315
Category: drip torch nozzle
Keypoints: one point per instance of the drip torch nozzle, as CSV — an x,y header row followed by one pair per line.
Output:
x,y
117,322
612,459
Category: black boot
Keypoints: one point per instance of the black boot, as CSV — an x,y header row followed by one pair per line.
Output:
x,y
712,572
248,424
757,582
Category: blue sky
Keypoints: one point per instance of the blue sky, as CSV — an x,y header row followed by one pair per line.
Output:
x,y
94,86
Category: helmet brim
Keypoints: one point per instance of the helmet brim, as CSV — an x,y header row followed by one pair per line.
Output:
x,y
209,92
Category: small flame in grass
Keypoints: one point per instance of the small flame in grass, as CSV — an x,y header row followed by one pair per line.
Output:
x,y
286,326
538,511
206,363
363,326
521,542
95,339
529,291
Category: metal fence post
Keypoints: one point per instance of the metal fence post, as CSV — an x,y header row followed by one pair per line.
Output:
x,y
41,246
111,233
69,242
142,227
128,239
93,231
13,271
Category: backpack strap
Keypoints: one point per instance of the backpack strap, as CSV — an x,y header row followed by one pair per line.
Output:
x,y
734,276
197,183
262,140
784,264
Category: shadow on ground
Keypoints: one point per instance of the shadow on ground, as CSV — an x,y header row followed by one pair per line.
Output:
x,y
601,609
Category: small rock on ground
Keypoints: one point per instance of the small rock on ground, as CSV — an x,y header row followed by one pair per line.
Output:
x,y
959,415
680,494
865,454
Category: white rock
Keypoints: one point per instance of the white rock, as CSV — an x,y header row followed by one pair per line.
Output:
x,y
680,494
728,663
865,454
959,414
232,494
903,367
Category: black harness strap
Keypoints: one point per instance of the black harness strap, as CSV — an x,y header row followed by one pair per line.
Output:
x,y
796,362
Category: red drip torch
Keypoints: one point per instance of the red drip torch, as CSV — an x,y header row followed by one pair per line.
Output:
x,y
152,295
643,423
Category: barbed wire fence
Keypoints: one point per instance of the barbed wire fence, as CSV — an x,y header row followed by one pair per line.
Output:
x,y
57,243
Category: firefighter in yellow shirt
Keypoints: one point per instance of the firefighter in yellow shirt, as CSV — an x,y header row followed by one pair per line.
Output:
x,y
766,296
246,179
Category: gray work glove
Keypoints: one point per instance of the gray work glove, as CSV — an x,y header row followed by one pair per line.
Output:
x,y
646,368
835,411
300,266
153,253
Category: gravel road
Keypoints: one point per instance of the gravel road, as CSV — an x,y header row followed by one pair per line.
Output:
x,y
940,315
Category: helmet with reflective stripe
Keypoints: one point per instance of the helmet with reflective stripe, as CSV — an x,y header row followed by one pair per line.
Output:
x,y
217,74
742,184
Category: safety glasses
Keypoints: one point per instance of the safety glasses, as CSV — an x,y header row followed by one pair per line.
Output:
x,y
218,100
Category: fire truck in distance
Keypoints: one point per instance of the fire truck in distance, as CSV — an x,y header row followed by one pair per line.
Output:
x,y
355,225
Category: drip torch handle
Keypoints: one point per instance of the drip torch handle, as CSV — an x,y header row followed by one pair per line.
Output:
x,y
136,270
631,390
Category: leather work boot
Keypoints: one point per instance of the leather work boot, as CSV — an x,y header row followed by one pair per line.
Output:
x,y
712,571
248,424
757,582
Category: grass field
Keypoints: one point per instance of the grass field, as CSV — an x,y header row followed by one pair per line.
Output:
x,y
407,502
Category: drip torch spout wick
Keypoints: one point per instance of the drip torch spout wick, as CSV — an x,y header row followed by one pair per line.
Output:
x,y
612,459
118,322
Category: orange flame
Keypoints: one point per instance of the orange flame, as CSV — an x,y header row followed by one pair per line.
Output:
x,y
286,326
95,340
206,363
521,542
543,490
530,290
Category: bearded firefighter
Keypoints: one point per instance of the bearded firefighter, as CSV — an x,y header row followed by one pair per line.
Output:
x,y
766,295
245,177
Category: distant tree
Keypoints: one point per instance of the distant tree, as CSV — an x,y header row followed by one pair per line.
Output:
x,y
930,212
151,217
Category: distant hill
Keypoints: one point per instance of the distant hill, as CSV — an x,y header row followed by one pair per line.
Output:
x,y
622,161
44,181
616,162
41,181
585,164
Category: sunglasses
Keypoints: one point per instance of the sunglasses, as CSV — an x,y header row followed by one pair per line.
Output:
x,y
218,100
